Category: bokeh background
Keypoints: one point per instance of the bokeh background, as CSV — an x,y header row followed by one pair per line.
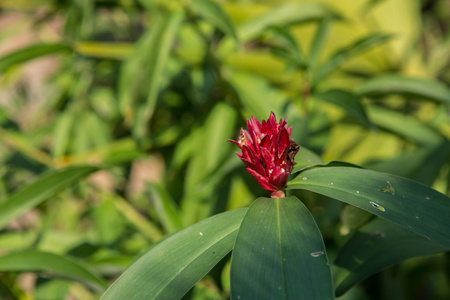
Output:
x,y
149,91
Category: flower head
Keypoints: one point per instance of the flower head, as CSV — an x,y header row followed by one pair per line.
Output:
x,y
268,152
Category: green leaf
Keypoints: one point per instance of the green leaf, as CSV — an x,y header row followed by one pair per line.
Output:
x,y
377,245
279,254
405,126
349,102
39,191
28,53
410,204
284,15
305,158
214,14
318,42
256,95
343,55
174,266
166,208
397,84
50,263
145,66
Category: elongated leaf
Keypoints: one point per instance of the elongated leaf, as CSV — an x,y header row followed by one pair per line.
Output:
x,y
214,14
279,254
346,53
31,52
318,42
257,97
50,263
104,49
410,204
348,102
145,65
405,126
283,15
176,264
398,84
39,191
165,207
376,246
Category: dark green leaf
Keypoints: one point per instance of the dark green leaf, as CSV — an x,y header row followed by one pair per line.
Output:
x,y
144,67
28,53
349,102
397,84
175,265
51,264
376,246
279,254
39,191
410,204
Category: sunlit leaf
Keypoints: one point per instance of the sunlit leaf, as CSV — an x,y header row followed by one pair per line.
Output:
x,y
410,204
51,264
279,254
175,265
397,84
284,15
214,13
343,55
40,190
376,246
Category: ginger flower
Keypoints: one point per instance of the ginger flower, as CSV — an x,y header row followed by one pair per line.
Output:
x,y
268,152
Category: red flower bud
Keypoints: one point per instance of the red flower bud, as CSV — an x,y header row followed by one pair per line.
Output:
x,y
268,152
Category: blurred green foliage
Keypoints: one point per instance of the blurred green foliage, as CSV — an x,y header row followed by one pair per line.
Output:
x,y
146,93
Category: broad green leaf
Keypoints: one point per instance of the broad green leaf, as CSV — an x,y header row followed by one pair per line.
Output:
x,y
175,265
397,84
349,102
214,14
284,15
279,254
51,264
405,126
377,245
410,204
40,190
343,55
30,52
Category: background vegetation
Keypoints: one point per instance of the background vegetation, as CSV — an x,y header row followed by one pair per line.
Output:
x,y
114,116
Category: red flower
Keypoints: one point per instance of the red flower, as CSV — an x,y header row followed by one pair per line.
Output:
x,y
268,152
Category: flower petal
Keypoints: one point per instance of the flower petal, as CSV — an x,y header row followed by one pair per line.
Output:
x,y
263,181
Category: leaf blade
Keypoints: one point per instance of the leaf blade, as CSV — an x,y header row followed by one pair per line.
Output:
x,y
279,254
34,260
377,245
38,191
173,266
405,202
